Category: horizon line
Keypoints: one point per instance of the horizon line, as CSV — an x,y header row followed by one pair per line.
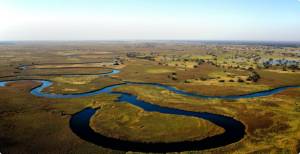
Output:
x,y
152,40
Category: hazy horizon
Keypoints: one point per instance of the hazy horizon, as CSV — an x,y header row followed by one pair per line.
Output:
x,y
114,20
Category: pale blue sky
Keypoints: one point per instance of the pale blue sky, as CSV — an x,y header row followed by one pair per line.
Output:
x,y
277,20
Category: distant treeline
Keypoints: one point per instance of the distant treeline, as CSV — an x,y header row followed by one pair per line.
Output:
x,y
7,43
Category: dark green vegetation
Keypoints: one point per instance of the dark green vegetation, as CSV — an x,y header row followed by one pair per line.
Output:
x,y
30,124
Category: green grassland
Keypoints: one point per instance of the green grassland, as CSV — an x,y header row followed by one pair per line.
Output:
x,y
65,85
37,125
31,124
126,122
272,122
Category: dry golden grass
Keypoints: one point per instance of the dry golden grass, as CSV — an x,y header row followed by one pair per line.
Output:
x,y
80,80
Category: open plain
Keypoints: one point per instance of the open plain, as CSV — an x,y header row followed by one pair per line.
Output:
x,y
253,85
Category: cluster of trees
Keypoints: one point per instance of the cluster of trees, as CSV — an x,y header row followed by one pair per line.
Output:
x,y
140,55
173,76
132,54
253,76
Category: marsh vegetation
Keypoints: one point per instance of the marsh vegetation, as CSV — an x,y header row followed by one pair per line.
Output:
x,y
272,123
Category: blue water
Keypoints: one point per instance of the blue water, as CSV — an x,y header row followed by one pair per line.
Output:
x,y
234,130
2,84
250,95
79,123
38,91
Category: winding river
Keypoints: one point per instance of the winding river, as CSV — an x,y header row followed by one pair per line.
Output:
x,y
79,122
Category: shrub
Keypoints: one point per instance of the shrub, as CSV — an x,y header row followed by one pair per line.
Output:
x,y
240,80
254,76
174,78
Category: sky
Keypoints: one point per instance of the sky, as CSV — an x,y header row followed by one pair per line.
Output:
x,y
268,20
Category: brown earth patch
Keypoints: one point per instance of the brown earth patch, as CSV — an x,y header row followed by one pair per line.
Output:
x,y
257,120
270,104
